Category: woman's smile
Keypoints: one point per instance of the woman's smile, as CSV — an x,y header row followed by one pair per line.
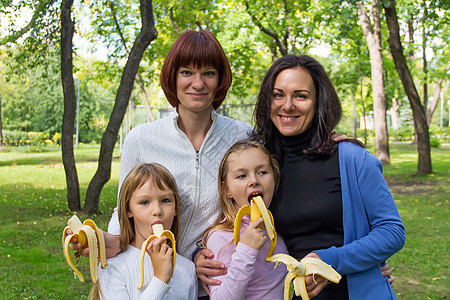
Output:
x,y
293,101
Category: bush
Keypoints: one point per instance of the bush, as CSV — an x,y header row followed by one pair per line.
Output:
x,y
15,138
56,138
441,133
23,138
38,140
435,142
402,134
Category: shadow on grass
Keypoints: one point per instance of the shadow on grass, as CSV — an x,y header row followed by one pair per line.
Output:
x,y
27,161
50,157
26,202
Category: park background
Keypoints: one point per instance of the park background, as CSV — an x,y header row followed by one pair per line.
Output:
x,y
401,118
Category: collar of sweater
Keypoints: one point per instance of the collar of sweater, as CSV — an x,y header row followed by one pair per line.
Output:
x,y
295,144
176,115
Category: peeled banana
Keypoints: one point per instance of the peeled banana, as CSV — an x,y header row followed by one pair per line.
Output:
x,y
256,210
90,233
158,231
298,270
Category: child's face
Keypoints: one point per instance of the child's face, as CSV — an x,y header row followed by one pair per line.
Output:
x,y
249,174
150,205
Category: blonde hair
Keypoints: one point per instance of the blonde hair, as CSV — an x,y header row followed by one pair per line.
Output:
x,y
137,177
225,221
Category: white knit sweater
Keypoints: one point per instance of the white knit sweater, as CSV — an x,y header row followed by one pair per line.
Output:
x,y
195,172
121,278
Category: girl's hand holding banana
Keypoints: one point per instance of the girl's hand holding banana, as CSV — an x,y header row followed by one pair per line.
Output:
x,y
112,245
161,255
85,233
253,235
256,210
158,233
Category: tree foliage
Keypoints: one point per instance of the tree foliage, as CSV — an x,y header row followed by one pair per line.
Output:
x,y
252,33
33,99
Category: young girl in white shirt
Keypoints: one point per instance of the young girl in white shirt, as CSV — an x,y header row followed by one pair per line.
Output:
x,y
148,195
247,170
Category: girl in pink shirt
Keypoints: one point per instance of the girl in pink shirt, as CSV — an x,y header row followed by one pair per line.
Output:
x,y
247,170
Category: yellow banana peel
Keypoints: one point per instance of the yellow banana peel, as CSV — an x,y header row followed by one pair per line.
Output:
x,y
158,231
257,209
90,233
298,270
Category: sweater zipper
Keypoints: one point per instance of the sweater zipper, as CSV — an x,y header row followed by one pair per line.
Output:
x,y
197,181
197,160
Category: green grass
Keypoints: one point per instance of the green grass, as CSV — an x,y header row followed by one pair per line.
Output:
x,y
33,212
421,268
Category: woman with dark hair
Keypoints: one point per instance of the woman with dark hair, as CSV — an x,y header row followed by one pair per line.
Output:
x,y
328,106
333,202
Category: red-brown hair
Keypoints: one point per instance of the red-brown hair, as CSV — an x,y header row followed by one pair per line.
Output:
x,y
197,49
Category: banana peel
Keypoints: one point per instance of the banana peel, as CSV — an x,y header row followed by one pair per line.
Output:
x,y
256,209
298,270
90,233
158,231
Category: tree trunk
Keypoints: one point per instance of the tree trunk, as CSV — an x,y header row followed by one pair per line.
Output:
x,y
289,37
394,113
130,115
281,45
354,115
148,33
67,28
373,38
425,83
150,117
362,103
174,23
420,120
424,60
1,124
433,104
411,36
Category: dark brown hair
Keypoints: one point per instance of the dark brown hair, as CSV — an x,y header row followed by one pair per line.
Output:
x,y
327,114
199,49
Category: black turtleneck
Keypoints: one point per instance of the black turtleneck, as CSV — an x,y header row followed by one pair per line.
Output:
x,y
307,207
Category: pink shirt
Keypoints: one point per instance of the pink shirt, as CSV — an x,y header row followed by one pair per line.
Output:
x,y
249,276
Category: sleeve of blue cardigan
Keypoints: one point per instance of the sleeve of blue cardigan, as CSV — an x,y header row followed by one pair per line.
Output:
x,y
387,233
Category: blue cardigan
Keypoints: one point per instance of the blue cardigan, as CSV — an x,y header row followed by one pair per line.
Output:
x,y
373,229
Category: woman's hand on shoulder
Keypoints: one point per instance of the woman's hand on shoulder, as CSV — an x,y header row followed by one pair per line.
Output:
x,y
253,235
337,137
314,283
206,267
161,255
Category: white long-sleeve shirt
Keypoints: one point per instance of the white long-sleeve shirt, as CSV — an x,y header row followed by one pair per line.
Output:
x,y
195,172
122,276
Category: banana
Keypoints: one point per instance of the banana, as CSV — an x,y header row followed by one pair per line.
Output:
x,y
90,233
298,270
158,231
256,210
